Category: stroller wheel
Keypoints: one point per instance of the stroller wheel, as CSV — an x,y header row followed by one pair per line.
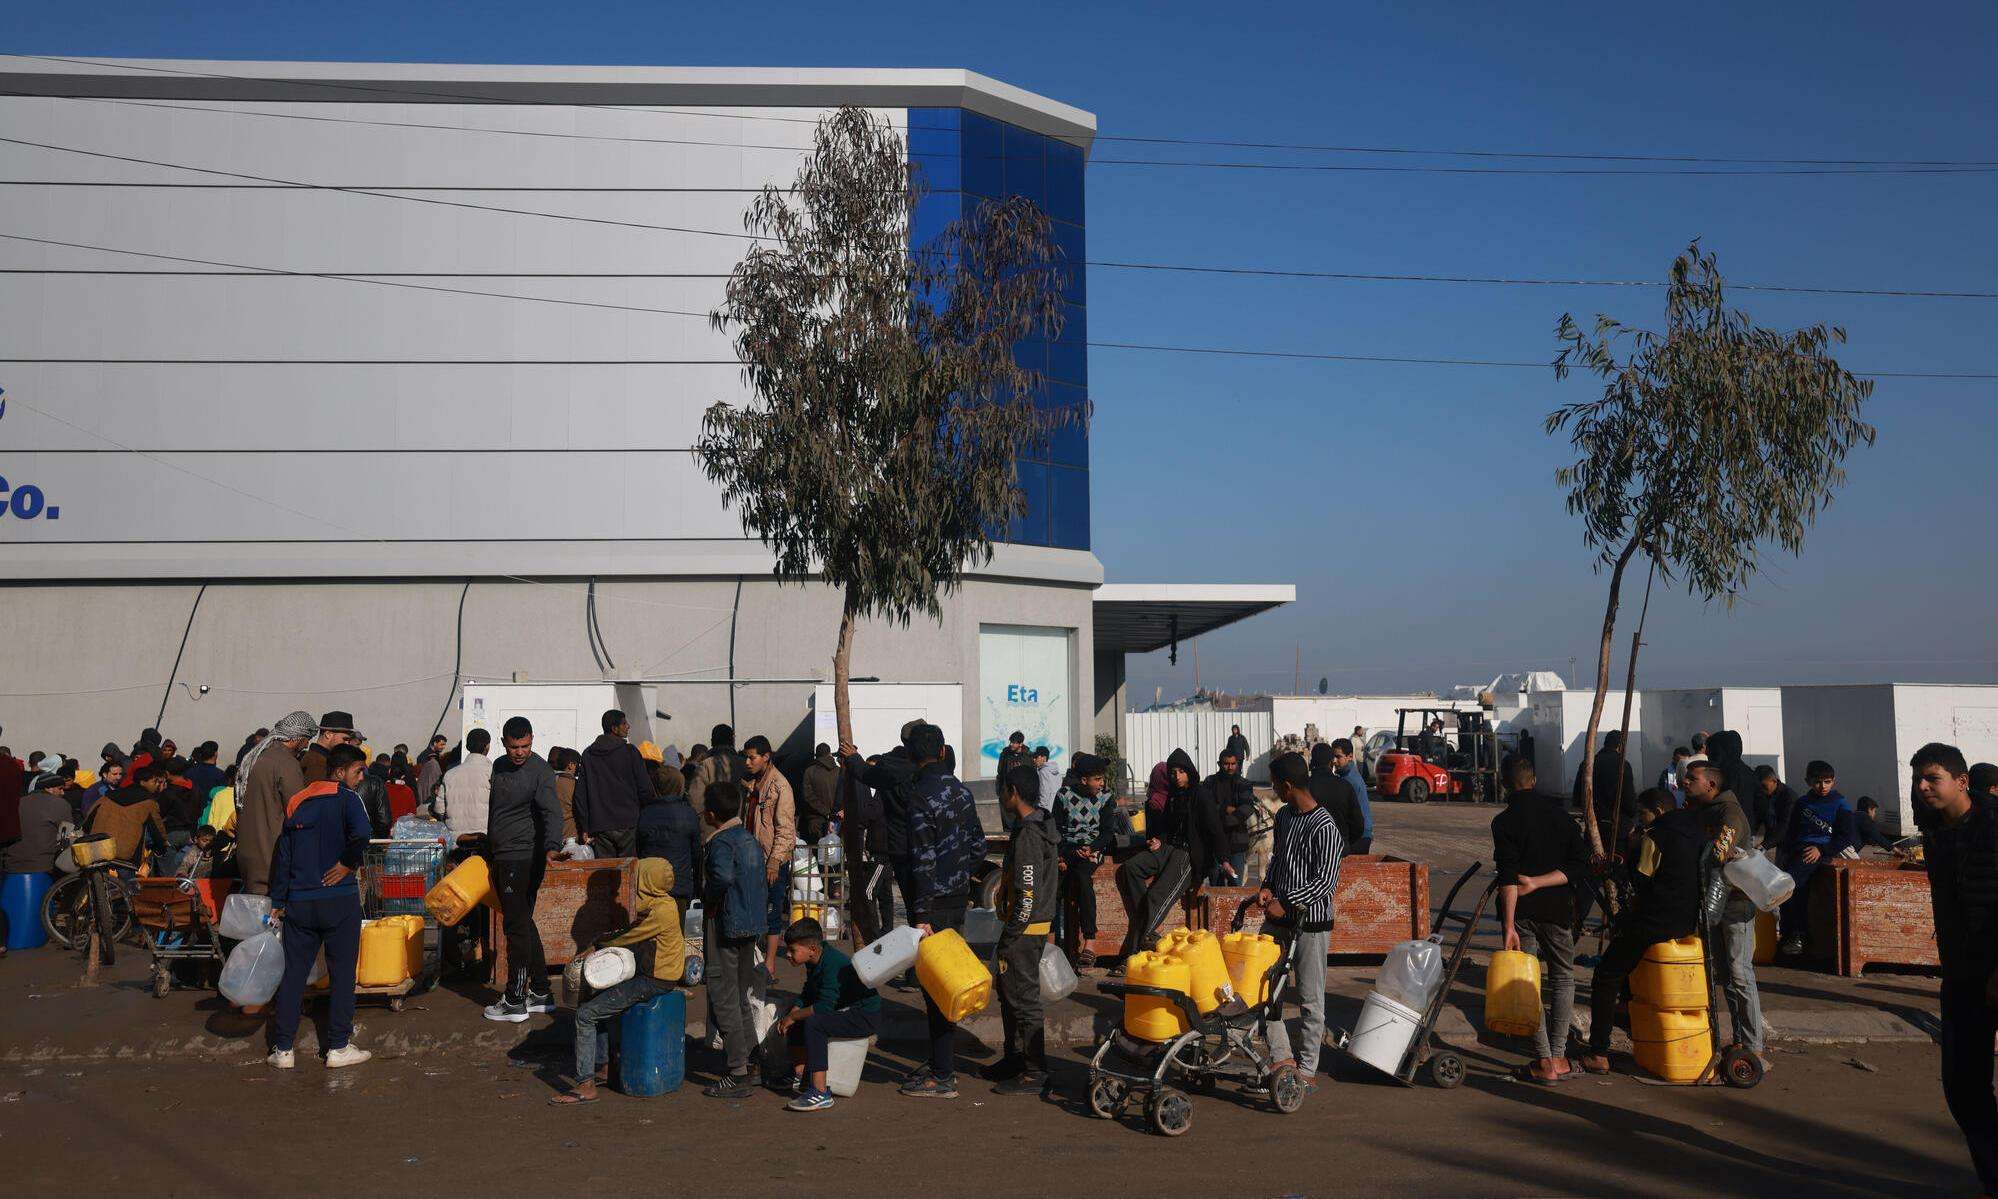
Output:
x,y
1446,1070
1287,1090
1106,1097
1740,1067
1170,1111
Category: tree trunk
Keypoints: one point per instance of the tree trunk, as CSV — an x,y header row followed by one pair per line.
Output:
x,y
843,669
1629,696
1602,698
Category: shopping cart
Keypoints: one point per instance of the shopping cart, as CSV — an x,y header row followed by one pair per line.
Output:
x,y
395,876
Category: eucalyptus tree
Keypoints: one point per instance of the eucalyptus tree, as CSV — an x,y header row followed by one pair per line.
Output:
x,y
890,410
1711,439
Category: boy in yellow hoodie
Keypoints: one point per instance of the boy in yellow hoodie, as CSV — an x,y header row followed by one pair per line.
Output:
x,y
655,942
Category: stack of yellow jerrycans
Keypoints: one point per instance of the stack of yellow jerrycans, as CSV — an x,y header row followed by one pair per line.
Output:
x,y
1670,1028
1199,965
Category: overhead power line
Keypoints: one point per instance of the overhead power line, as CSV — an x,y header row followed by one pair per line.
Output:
x,y
1299,355
1874,165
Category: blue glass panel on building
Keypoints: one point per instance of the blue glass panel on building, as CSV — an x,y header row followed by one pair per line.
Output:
x,y
1034,527
984,156
1064,182
1068,508
963,158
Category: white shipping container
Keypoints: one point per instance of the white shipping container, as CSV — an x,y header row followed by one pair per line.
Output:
x,y
1869,731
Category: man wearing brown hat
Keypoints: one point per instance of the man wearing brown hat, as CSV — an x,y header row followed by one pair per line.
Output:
x,y
335,728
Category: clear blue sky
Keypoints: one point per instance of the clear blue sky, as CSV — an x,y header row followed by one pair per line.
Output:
x,y
1414,507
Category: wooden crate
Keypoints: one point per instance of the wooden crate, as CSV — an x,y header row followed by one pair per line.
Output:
x,y
1382,901
1872,911
578,902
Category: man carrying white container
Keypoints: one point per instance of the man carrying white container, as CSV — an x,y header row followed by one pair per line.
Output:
x,y
1297,905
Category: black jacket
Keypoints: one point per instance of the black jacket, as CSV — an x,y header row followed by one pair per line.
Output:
x,y
1335,795
1724,751
1235,796
893,779
1963,888
523,818
669,829
1781,805
1666,877
1535,834
1192,819
374,801
860,811
1028,882
613,787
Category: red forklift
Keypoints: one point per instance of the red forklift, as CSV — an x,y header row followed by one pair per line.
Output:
x,y
1458,760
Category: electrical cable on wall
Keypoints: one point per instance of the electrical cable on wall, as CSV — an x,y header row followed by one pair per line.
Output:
x,y
457,661
175,672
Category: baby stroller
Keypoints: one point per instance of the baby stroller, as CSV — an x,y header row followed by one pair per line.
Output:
x,y
1231,1042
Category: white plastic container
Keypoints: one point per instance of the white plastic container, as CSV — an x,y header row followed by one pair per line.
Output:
x,y
1411,973
606,968
1057,976
887,955
1765,883
1383,1033
846,1057
982,926
832,921
254,970
832,851
692,923
244,916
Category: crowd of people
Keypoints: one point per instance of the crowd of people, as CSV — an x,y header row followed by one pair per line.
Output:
x,y
290,815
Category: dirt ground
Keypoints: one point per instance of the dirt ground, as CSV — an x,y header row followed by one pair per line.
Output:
x,y
171,1097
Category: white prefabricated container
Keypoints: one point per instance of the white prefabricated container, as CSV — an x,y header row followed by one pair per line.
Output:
x,y
1671,717
846,1057
887,955
1559,722
1383,1032
1869,731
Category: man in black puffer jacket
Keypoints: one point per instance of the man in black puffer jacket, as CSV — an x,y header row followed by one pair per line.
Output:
x,y
1724,751
612,788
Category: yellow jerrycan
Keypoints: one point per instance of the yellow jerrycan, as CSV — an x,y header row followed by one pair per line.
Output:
x,y
952,975
1512,993
1152,1017
1674,1044
1249,957
1673,974
1765,938
1210,982
457,893
384,960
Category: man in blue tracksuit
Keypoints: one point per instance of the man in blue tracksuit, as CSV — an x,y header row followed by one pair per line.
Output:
x,y
315,897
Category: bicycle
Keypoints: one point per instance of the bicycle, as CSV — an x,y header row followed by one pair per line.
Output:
x,y
94,897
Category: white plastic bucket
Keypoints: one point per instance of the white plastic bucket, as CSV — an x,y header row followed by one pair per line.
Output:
x,y
606,968
887,956
1765,883
244,916
1383,1033
846,1057
1057,976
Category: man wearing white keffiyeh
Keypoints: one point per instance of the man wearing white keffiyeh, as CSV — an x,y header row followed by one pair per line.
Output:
x,y
269,781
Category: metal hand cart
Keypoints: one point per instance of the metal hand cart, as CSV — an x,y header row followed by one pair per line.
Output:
x,y
176,918
1444,1065
1231,1042
395,876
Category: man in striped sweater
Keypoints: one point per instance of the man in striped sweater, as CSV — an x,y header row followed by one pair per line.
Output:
x,y
1297,904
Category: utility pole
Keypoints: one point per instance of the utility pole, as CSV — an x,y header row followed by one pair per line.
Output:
x,y
1196,667
1297,671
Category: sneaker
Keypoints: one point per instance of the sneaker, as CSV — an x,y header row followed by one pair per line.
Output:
x,y
540,1001
508,1011
282,1059
922,1073
1027,1082
1792,947
730,1086
1003,1069
930,1088
810,1101
346,1055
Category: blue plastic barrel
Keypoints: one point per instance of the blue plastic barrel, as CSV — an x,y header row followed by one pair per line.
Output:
x,y
652,1046
21,898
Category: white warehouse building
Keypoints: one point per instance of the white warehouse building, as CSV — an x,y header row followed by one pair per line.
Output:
x,y
333,386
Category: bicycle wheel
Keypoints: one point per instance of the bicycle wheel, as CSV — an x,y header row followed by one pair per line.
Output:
x,y
102,917
66,911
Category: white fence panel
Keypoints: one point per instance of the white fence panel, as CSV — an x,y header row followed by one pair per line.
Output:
x,y
1150,736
